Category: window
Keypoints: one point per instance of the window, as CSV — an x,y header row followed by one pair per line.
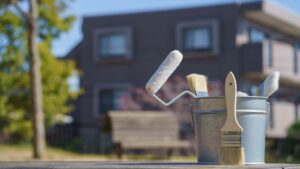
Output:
x,y
110,99
199,37
112,43
296,58
256,35
268,53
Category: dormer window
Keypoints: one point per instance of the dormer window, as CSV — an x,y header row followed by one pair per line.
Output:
x,y
112,44
197,39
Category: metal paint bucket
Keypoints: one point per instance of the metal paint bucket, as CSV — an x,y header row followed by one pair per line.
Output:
x,y
209,117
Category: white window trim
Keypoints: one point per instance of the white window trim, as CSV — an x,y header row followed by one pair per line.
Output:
x,y
213,24
100,87
128,35
268,53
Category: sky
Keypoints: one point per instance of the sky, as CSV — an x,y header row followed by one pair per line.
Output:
x,y
81,8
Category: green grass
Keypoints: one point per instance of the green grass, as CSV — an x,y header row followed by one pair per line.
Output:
x,y
23,152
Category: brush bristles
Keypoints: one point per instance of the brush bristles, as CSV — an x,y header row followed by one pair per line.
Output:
x,y
201,86
191,82
232,156
197,83
232,152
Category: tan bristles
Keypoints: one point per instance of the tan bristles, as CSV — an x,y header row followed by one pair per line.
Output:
x,y
197,83
232,156
190,80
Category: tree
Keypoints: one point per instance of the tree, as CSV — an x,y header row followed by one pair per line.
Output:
x,y
21,79
139,99
36,86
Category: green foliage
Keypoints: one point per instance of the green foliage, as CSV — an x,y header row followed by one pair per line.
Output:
x,y
294,130
55,87
15,112
289,148
293,145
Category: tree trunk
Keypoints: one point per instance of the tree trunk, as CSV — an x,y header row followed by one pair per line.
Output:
x,y
36,85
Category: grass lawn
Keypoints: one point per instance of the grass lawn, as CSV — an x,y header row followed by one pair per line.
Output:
x,y
24,152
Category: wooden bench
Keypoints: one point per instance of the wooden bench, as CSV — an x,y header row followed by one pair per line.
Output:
x,y
145,130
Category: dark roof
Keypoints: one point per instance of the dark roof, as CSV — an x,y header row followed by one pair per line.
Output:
x,y
162,10
75,51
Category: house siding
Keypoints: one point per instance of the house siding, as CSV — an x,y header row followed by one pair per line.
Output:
x,y
153,36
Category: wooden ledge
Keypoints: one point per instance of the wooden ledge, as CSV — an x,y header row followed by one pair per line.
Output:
x,y
130,165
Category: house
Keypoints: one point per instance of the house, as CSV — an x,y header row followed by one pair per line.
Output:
x,y
252,39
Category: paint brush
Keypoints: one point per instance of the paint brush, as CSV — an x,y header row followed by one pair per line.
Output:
x,y
198,84
232,151
270,85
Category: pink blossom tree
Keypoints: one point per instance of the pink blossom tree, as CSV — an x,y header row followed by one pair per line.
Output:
x,y
139,99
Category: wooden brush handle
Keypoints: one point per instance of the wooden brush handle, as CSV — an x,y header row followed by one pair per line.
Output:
x,y
231,123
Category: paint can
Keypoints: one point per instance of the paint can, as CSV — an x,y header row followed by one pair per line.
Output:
x,y
209,116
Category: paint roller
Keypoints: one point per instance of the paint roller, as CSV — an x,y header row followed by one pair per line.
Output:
x,y
162,74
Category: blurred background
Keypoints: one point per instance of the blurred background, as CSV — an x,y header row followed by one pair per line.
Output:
x,y
72,74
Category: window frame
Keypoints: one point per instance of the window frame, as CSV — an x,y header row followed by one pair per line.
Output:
x,y
184,30
296,58
213,27
268,52
127,31
252,29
